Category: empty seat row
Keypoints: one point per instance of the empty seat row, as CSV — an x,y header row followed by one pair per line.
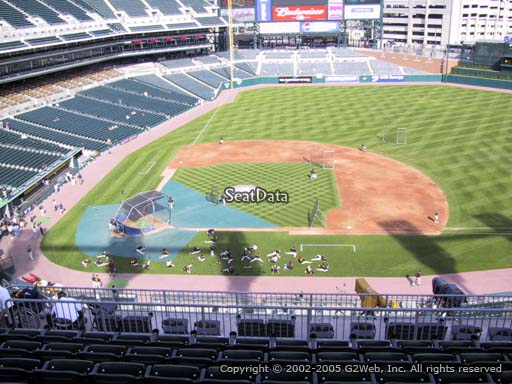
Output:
x,y
191,85
118,113
147,90
86,371
207,77
79,125
157,82
135,101
55,136
26,158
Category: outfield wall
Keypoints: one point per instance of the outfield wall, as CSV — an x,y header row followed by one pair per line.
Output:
x,y
335,79
479,81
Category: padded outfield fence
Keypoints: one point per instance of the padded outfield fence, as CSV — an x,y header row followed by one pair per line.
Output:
x,y
332,316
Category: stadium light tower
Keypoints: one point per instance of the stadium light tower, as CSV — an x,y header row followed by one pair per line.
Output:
x,y
231,42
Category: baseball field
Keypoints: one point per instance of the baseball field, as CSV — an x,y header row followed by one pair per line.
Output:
x,y
457,138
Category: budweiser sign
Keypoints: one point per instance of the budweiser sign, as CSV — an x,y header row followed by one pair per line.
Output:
x,y
294,13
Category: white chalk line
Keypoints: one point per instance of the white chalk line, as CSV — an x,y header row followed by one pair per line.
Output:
x,y
206,125
151,165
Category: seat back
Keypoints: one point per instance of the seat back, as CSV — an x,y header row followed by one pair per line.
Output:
x,y
207,327
322,330
403,331
280,328
362,330
173,372
431,331
175,326
136,324
251,328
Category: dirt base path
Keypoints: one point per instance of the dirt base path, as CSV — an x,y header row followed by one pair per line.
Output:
x,y
378,195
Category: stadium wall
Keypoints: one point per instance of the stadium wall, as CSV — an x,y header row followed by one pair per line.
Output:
x,y
334,79
479,81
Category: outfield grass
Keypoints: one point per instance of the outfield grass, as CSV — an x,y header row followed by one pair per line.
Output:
x,y
458,137
292,178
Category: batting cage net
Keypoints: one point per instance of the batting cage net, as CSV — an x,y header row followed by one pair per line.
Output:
x,y
213,195
315,214
142,213
321,158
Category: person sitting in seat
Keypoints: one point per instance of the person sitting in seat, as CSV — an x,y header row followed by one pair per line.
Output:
x,y
169,264
288,266
324,267
201,258
147,265
302,260
134,262
195,250
309,270
319,258
140,249
67,309
187,268
313,175
293,252
164,253
229,270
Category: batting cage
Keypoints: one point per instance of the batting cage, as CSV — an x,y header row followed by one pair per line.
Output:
x,y
142,213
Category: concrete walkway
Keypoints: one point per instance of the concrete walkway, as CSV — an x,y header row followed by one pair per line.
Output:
x,y
480,282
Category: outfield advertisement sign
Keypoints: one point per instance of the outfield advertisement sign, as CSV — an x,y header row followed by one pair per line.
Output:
x,y
362,9
264,10
342,79
382,79
335,10
284,27
319,27
298,10
295,80
240,14
298,13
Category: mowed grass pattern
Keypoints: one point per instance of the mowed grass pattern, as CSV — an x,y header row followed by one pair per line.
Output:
x,y
459,137
292,178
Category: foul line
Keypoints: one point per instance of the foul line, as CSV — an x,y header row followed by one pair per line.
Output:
x,y
353,246
151,165
206,125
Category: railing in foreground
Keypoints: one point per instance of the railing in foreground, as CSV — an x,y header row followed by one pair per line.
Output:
x,y
337,316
